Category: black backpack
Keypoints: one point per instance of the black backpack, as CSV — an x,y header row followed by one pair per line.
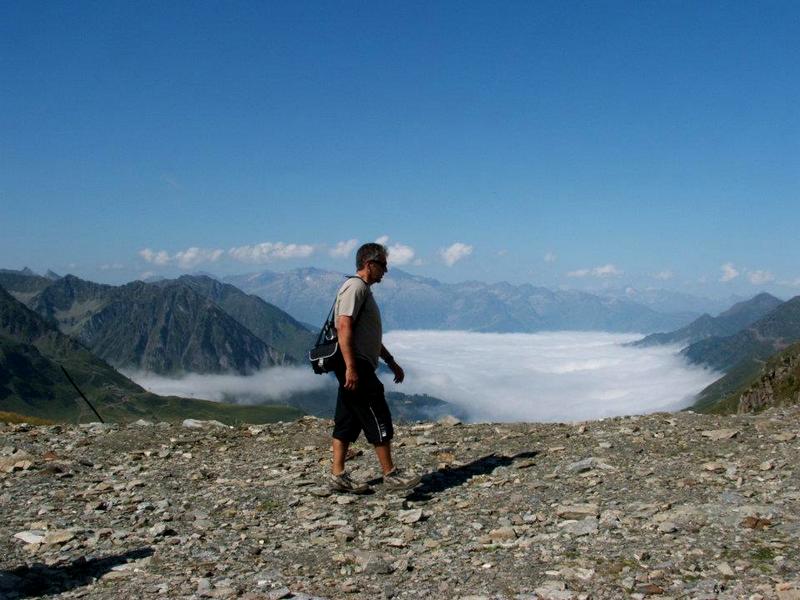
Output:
x,y
326,356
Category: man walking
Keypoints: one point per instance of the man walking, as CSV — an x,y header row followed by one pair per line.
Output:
x,y
361,404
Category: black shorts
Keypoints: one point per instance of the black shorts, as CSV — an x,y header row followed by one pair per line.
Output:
x,y
364,408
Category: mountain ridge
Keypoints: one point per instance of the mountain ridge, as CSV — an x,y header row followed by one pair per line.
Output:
x,y
167,327
412,302
728,322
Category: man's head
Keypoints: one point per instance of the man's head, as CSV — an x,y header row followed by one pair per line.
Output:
x,y
371,262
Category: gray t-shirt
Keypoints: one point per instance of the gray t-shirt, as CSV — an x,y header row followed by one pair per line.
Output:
x,y
355,300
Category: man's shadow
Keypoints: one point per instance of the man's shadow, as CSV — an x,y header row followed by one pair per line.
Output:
x,y
40,580
446,478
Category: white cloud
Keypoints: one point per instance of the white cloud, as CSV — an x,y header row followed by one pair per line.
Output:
x,y
790,283
454,253
273,384
760,277
269,251
729,272
608,270
579,273
550,257
559,376
112,267
160,258
191,257
664,275
344,249
400,254
185,259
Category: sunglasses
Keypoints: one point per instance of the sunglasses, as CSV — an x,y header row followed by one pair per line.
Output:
x,y
380,263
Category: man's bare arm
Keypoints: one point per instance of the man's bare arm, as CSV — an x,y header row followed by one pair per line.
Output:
x,y
344,330
399,374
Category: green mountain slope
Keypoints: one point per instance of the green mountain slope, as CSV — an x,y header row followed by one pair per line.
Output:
x,y
32,352
755,387
727,323
273,326
743,355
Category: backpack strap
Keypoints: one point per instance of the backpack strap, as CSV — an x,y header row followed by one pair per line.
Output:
x,y
329,322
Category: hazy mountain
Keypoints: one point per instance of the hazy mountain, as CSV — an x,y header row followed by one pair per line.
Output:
x,y
24,284
306,294
412,302
727,323
32,352
671,301
770,334
273,326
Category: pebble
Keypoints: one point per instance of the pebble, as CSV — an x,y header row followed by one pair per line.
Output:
x,y
717,435
578,511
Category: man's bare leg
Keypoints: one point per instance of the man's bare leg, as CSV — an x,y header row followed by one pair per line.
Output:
x,y
384,452
339,454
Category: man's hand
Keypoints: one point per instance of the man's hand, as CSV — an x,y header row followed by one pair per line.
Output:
x,y
350,378
399,374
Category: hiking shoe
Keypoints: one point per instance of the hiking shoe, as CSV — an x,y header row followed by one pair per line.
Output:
x,y
398,479
344,483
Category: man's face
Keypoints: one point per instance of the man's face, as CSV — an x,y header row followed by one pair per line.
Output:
x,y
376,269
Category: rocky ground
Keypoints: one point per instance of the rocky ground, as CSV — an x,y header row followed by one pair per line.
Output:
x,y
665,506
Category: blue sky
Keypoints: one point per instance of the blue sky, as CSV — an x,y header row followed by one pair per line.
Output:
x,y
576,144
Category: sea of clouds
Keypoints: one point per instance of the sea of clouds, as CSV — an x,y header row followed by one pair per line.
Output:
x,y
270,385
558,376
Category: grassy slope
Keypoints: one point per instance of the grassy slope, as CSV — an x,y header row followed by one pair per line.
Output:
x,y
724,398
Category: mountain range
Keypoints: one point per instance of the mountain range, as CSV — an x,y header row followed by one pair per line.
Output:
x,y
193,324
412,302
33,352
729,322
742,343
197,324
